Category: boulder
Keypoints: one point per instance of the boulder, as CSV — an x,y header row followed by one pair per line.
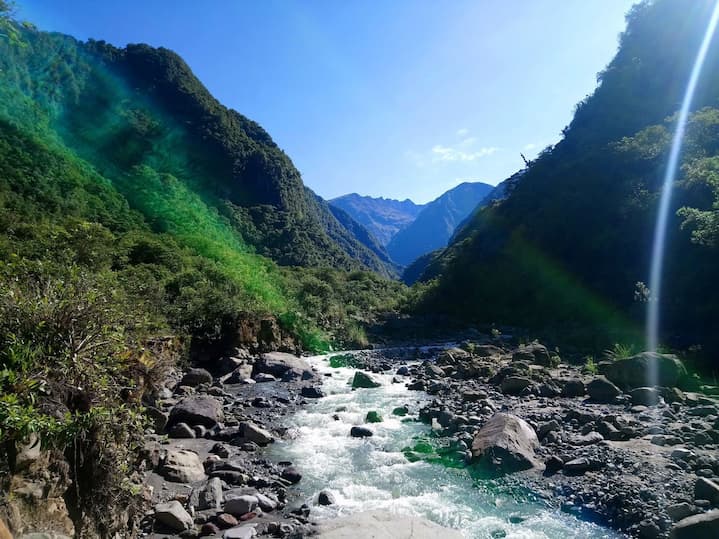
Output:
x,y
364,380
278,364
573,388
702,526
238,505
373,417
174,516
505,444
291,474
246,531
360,432
645,396
253,433
182,466
326,498
602,390
706,489
312,393
195,377
210,495
514,385
383,525
181,430
634,371
200,410
533,353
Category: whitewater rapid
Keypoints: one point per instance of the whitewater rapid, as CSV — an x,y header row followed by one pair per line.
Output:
x,y
373,473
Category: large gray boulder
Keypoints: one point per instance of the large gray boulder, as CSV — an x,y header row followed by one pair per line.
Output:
x,y
533,353
702,526
383,525
182,466
174,516
505,444
238,505
635,371
602,390
253,433
283,365
195,377
200,410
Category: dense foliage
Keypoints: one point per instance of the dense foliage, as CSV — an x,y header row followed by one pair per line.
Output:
x,y
570,246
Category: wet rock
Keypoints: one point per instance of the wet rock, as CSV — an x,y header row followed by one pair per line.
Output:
x,y
645,396
174,516
573,388
200,410
403,371
702,526
679,511
182,466
364,380
326,498
514,385
360,432
400,411
505,444
633,372
312,393
195,377
265,503
373,417
291,474
602,390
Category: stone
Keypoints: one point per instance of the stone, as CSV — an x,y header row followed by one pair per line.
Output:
x,y
238,505
325,497
182,466
588,439
28,452
210,496
573,388
578,466
383,525
633,372
514,385
364,380
291,474
174,516
403,371
209,529
702,526
312,393
533,353
265,503
400,411
279,364
645,396
246,531
181,430
199,410
553,464
506,444
360,432
602,390
195,377
253,433
681,510
158,418
373,417
706,489
226,520
474,396
263,378
546,428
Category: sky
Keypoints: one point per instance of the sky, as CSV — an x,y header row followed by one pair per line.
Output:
x,y
393,98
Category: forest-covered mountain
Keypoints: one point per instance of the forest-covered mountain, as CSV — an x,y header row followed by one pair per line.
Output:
x,y
383,217
570,245
436,223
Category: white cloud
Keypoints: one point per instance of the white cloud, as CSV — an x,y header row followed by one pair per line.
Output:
x,y
447,153
530,146
462,132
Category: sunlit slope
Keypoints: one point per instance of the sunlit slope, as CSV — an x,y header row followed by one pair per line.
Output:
x,y
568,246
140,111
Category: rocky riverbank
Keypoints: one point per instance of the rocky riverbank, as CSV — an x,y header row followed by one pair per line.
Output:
x,y
602,447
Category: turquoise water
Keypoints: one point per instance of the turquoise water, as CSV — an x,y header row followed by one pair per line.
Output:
x,y
373,473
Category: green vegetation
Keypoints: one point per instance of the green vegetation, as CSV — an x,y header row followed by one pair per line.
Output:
x,y
564,251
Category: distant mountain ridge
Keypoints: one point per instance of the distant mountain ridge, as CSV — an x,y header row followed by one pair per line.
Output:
x,y
436,223
382,217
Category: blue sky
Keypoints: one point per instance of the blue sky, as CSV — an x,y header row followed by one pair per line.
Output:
x,y
394,98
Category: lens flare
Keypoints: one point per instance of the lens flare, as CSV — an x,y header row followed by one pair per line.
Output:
x,y
660,230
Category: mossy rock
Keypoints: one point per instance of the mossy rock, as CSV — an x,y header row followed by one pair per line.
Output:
x,y
373,417
400,411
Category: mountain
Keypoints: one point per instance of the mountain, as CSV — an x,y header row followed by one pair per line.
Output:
x,y
383,217
436,222
140,107
569,247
